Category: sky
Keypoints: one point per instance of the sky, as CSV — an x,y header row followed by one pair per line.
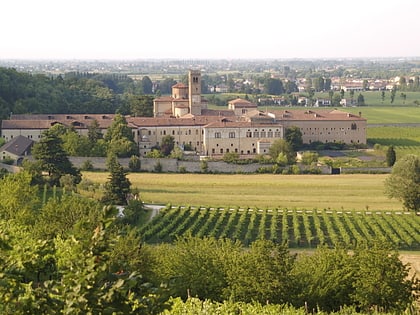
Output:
x,y
216,29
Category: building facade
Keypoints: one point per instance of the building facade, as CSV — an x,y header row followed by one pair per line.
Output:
x,y
241,128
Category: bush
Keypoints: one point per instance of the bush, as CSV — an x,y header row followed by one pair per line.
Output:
x,y
87,165
158,167
134,164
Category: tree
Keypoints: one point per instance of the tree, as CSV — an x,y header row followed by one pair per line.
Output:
x,y
196,266
141,105
52,158
281,146
391,156
263,274
293,135
393,92
274,86
361,100
168,143
382,280
17,197
120,138
404,182
117,187
147,85
94,132
324,279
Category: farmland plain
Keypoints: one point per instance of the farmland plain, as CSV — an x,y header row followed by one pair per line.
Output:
x,y
346,191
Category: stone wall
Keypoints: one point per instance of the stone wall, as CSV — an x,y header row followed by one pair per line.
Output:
x,y
171,165
176,166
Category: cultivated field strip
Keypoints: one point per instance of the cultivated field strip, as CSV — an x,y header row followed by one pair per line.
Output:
x,y
297,228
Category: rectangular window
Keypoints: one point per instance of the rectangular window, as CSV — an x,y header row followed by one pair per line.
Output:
x,y
231,134
249,134
217,135
256,134
262,134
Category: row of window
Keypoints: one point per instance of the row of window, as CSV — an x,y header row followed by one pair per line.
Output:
x,y
352,127
250,134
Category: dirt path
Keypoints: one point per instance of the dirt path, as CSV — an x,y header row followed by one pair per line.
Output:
x,y
413,260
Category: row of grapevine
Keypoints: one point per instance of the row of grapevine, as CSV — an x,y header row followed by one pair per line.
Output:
x,y
298,228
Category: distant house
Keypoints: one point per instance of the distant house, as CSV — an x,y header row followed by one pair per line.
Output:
x,y
16,149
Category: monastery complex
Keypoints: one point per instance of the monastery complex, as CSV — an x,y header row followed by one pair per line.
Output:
x,y
239,128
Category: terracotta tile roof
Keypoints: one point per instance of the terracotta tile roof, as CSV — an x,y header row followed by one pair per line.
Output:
x,y
58,117
240,124
180,86
239,102
315,115
171,121
47,123
164,99
217,112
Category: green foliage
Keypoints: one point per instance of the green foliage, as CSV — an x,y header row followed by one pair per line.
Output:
x,y
177,153
158,167
141,105
120,139
281,146
195,266
404,182
118,186
154,154
324,279
231,157
381,280
94,281
262,274
309,157
204,166
52,158
391,156
167,145
293,135
67,216
18,198
87,165
134,164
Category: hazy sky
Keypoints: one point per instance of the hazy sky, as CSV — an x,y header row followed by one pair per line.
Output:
x,y
229,29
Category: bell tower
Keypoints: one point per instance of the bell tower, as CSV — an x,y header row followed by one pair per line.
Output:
x,y
194,91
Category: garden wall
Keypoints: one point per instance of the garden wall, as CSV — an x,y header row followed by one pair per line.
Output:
x,y
176,166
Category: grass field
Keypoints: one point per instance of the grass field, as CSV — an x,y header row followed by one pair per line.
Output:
x,y
348,192
406,140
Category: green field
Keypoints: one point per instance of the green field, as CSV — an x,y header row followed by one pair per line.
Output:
x,y
375,111
349,192
406,140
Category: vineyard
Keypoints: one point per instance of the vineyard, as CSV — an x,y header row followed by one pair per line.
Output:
x,y
297,228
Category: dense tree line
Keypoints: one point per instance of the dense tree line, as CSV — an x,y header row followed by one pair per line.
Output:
x,y
23,93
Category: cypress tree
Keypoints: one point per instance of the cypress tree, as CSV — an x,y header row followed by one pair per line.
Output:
x,y
391,156
118,186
